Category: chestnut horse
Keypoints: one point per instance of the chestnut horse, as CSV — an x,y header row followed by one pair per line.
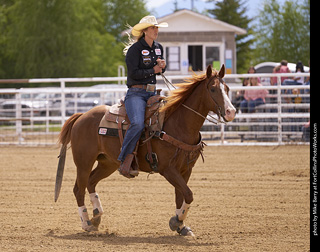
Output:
x,y
185,112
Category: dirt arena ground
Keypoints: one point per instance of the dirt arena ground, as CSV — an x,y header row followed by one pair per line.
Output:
x,y
245,199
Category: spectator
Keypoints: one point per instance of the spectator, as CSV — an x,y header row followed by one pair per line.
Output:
x,y
307,91
240,94
299,69
308,78
284,69
253,98
252,70
299,80
306,132
274,80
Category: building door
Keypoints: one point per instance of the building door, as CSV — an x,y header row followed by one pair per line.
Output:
x,y
195,57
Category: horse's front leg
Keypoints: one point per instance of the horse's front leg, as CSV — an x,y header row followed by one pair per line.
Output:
x,y
184,197
176,222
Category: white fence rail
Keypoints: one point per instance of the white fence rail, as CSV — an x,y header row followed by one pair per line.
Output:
x,y
34,116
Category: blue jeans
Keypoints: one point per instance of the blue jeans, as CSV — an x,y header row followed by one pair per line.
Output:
x,y
135,103
249,106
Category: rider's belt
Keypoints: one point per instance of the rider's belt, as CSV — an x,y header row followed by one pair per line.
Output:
x,y
149,87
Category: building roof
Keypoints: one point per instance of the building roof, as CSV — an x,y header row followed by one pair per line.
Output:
x,y
189,21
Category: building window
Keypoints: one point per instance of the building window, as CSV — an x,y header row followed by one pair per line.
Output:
x,y
213,57
173,58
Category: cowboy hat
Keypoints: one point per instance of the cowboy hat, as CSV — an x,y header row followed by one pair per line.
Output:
x,y
146,22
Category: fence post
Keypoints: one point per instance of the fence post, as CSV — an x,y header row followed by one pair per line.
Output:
x,y
19,118
279,110
47,113
63,102
121,73
222,132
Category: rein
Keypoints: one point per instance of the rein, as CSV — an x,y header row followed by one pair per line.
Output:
x,y
211,119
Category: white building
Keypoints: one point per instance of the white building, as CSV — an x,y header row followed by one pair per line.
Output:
x,y
193,41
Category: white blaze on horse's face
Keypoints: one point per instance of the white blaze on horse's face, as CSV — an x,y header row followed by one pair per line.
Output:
x,y
230,111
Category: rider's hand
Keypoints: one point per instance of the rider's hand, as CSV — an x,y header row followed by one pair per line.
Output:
x,y
161,63
157,69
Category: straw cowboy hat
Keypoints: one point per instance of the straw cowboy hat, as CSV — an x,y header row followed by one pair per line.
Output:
x,y
146,22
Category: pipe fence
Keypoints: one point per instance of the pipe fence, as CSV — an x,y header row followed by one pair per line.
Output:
x,y
34,116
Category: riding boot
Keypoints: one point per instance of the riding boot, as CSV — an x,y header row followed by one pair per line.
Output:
x,y
125,168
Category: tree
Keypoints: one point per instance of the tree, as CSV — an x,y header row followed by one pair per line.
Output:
x,y
64,38
234,12
283,32
119,13
51,38
6,63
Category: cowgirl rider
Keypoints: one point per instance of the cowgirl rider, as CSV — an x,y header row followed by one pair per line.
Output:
x,y
144,59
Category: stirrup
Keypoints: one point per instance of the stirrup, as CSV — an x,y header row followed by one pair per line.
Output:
x,y
134,172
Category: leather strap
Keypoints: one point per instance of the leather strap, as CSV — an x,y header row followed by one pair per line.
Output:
x,y
120,132
148,87
181,145
139,86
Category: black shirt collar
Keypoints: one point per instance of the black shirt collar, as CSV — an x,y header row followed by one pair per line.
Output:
x,y
144,43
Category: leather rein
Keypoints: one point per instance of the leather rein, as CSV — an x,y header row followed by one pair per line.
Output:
x,y
179,144
211,118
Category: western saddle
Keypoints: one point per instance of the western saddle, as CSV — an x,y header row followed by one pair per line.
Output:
x,y
115,122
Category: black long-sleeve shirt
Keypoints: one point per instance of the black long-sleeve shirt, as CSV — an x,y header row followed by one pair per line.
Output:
x,y
140,60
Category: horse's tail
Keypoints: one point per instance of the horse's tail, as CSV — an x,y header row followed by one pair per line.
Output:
x,y
65,134
64,139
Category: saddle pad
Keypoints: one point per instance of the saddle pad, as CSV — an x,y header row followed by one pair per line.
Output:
x,y
110,132
116,117
111,125
115,133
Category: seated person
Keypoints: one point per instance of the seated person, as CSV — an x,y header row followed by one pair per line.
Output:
x,y
295,81
253,98
240,95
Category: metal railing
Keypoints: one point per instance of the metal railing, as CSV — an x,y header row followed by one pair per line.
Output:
x,y
34,116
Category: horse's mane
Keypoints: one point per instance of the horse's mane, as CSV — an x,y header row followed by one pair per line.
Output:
x,y
184,90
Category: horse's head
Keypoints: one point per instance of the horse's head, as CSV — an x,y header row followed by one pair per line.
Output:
x,y
218,91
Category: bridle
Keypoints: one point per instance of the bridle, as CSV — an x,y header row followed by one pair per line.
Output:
x,y
211,118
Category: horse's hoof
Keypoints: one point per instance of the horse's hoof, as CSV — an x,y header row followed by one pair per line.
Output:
x,y
175,223
186,231
89,227
96,221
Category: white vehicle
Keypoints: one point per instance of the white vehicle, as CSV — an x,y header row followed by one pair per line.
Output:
x,y
35,104
267,67
103,94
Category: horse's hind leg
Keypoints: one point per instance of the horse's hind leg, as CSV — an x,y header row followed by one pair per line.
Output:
x,y
103,170
83,171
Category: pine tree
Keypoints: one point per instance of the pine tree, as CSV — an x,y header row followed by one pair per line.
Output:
x,y
234,12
